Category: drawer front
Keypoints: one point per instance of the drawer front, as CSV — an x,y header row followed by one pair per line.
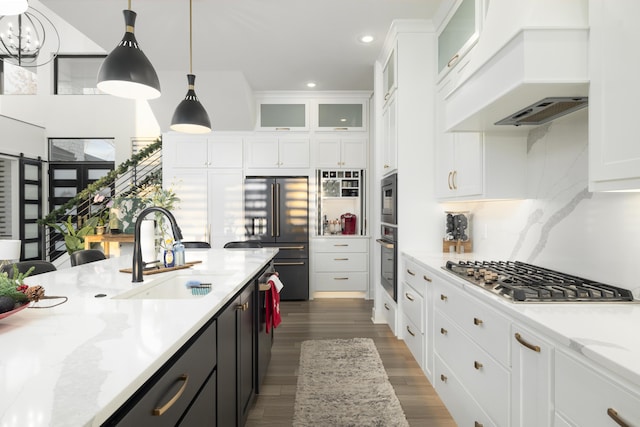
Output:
x,y
325,262
418,277
389,311
342,281
464,410
409,332
413,307
185,376
585,397
340,245
482,376
486,326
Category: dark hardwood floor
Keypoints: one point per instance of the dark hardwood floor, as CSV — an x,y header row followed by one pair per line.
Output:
x,y
341,318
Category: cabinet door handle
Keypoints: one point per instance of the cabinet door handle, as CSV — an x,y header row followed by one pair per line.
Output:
x,y
443,297
290,248
410,333
453,180
443,331
477,321
613,414
477,365
386,96
443,378
386,306
530,346
161,410
453,60
341,259
386,166
340,128
340,278
410,272
409,297
449,180
283,128
426,278
276,264
242,307
341,245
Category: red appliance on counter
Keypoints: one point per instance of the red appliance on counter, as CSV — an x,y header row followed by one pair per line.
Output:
x,y
348,222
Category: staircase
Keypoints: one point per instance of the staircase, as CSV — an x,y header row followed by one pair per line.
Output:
x,y
131,178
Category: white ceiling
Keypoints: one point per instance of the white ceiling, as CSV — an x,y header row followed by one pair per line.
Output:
x,y
276,44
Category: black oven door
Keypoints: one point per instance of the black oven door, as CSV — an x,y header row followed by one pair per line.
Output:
x,y
389,199
388,267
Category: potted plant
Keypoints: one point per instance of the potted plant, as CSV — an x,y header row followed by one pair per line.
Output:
x,y
74,238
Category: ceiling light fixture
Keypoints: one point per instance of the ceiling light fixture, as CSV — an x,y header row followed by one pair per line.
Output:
x,y
366,39
25,37
13,7
127,72
190,116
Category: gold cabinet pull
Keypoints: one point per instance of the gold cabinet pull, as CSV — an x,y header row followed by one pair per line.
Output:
x,y
291,248
449,180
453,180
410,333
477,365
340,128
443,297
443,378
386,166
276,264
341,259
443,331
242,307
477,424
477,321
386,306
340,278
411,272
530,346
161,410
428,279
451,62
283,128
409,297
386,96
341,245
613,414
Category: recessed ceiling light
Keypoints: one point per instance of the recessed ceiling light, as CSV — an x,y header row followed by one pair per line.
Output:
x,y
366,39
311,84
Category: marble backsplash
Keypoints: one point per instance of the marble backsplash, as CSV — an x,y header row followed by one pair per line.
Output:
x,y
561,225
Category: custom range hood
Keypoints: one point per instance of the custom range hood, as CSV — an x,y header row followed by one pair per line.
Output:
x,y
537,76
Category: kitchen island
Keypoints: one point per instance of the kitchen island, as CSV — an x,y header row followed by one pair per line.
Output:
x,y
77,363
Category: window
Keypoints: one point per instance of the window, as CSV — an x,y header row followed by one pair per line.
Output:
x,y
82,150
16,80
77,74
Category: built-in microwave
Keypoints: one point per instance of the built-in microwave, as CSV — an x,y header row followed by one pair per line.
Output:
x,y
389,199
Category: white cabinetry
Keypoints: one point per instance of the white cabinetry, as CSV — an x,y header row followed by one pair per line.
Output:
x,y
390,135
585,397
340,152
277,152
283,114
531,378
614,152
472,339
340,115
458,35
340,264
389,82
206,174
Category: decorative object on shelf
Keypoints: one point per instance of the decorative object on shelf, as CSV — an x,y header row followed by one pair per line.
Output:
x,y
457,237
190,116
9,251
24,36
104,204
13,7
16,296
127,72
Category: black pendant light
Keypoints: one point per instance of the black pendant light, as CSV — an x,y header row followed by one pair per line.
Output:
x,y
190,116
127,72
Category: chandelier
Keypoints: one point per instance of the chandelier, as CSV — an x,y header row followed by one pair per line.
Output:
x,y
23,36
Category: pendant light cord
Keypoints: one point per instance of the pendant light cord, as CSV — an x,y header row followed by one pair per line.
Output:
x,y
190,36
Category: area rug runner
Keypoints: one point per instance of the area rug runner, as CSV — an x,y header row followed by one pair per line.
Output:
x,y
341,383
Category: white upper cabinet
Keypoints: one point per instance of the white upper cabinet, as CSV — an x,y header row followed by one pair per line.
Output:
x,y
341,115
390,136
274,152
283,115
614,60
458,35
339,152
389,73
199,151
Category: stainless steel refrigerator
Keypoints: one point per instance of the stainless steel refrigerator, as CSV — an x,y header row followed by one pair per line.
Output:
x,y
277,214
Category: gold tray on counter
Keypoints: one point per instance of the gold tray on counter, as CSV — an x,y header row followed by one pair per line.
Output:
x,y
162,269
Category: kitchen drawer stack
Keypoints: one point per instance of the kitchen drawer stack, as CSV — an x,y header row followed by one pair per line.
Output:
x,y
414,299
471,343
341,264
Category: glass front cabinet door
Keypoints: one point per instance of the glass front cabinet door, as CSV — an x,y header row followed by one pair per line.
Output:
x,y
283,116
344,116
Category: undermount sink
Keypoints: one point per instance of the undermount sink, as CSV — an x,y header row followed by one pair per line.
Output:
x,y
177,286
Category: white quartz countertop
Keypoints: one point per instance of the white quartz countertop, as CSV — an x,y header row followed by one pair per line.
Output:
x,y
75,364
605,333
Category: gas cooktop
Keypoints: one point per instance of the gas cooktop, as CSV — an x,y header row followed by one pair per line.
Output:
x,y
521,282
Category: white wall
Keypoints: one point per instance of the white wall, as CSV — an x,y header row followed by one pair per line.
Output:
x,y
561,225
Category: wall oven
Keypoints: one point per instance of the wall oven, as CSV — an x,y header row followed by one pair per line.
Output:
x,y
389,199
389,260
